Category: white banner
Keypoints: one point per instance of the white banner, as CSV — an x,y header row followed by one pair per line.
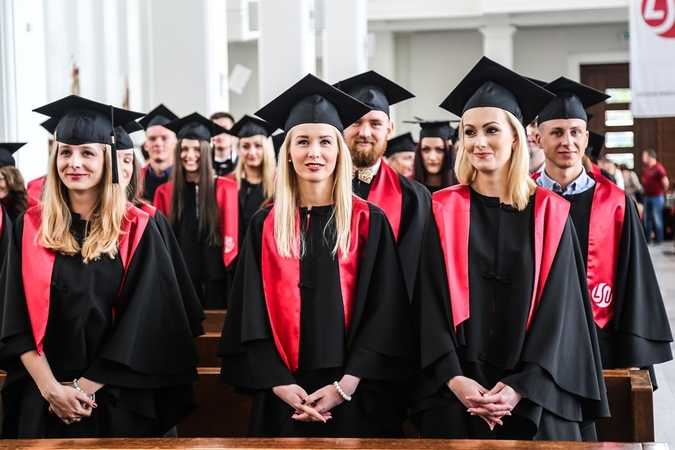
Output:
x,y
652,57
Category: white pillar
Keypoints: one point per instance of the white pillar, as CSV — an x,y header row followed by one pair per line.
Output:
x,y
345,37
498,43
217,65
287,47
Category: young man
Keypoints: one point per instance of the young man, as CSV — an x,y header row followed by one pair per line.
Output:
x,y
160,143
655,184
632,325
405,202
224,157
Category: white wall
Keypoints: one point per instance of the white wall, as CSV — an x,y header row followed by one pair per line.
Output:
x,y
246,54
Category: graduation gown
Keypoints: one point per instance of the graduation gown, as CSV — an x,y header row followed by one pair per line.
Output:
x,y
407,204
364,331
507,332
638,333
127,330
251,199
34,190
211,268
5,232
151,182
193,307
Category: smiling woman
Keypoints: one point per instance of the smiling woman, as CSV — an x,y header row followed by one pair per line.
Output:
x,y
318,325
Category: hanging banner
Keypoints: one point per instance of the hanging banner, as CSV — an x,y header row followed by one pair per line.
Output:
x,y
652,57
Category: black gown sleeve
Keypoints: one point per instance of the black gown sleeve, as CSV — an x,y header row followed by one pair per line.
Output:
x,y
381,343
250,358
193,307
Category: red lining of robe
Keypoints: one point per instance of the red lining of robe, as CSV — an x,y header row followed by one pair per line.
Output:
x,y
387,194
34,190
453,207
281,277
37,264
227,193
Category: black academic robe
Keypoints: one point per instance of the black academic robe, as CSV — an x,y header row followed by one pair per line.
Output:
x,y
639,334
136,341
251,199
193,307
415,204
553,362
5,232
151,182
378,345
223,168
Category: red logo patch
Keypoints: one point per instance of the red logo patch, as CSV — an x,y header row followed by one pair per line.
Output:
x,y
659,15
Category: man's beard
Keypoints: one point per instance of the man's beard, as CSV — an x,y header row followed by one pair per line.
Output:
x,y
366,158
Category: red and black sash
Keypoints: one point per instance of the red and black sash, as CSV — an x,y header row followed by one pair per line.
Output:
x,y
281,277
387,194
34,190
151,210
452,211
37,264
604,240
227,198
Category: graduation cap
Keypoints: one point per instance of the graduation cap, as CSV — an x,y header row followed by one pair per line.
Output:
x,y
596,142
250,126
434,128
195,126
402,143
571,100
376,91
123,140
161,115
312,100
537,82
7,149
50,125
490,84
83,121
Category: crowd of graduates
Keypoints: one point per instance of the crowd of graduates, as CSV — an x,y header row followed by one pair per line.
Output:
x,y
478,281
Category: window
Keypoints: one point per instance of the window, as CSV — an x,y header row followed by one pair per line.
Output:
x,y
618,95
618,118
619,139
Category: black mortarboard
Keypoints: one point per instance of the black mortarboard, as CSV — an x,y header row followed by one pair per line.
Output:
x,y
493,85
50,125
278,141
312,100
571,100
123,140
402,143
161,115
596,142
374,90
84,121
195,126
6,151
434,128
250,126
537,82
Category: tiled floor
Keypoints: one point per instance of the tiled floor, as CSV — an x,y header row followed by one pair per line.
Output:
x,y
663,257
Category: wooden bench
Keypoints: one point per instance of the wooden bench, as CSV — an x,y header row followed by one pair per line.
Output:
x,y
214,320
318,444
224,413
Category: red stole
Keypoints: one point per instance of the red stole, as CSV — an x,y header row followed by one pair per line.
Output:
x,y
596,168
227,198
604,240
34,190
149,209
452,211
37,264
281,277
387,194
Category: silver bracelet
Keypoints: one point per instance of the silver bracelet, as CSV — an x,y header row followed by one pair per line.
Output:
x,y
78,388
341,392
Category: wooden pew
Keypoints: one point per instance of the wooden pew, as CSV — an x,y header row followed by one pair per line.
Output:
x,y
214,320
318,444
207,349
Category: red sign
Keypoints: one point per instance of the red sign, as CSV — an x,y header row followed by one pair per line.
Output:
x,y
659,15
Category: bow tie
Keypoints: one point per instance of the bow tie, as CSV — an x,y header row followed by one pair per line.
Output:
x,y
365,175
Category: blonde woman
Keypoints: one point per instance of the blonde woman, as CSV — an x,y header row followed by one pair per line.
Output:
x,y
318,325
85,351
255,168
508,344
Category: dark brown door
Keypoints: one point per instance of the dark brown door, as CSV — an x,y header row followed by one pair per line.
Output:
x,y
658,134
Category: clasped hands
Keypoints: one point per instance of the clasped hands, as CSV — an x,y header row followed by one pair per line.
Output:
x,y
316,406
490,405
69,404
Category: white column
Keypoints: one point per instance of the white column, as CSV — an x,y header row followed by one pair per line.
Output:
x,y
346,39
217,66
498,43
287,47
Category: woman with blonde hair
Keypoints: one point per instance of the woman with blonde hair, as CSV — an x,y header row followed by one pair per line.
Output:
x,y
255,168
508,344
85,351
317,327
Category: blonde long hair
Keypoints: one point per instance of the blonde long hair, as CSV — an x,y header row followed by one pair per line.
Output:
x,y
268,168
520,185
105,221
290,243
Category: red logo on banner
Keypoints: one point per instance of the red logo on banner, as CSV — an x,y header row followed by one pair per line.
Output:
x,y
659,15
